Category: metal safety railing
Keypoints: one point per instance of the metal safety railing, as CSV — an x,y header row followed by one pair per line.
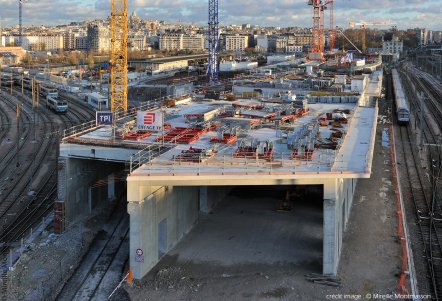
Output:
x,y
91,125
227,164
147,154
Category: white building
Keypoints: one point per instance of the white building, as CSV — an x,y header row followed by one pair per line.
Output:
x,y
36,42
293,49
393,47
193,42
171,42
262,43
181,41
137,42
98,37
236,42
75,39
422,35
237,66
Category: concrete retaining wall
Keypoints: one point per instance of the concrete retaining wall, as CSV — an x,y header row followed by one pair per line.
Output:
x,y
78,189
158,223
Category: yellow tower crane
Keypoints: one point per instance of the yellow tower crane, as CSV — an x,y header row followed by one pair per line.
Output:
x,y
118,59
363,25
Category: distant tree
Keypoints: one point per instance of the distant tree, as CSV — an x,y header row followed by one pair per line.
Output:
x,y
90,60
27,59
61,56
73,59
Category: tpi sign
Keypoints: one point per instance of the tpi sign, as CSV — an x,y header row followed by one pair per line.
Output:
x,y
150,121
104,118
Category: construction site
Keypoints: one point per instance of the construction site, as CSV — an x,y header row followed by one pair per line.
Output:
x,y
278,184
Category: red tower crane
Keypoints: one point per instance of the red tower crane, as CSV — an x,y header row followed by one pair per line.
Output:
x,y
318,30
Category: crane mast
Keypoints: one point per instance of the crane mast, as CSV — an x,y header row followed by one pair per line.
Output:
x,y
118,58
213,41
20,23
318,29
363,25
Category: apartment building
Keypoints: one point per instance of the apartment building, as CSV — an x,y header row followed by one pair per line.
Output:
x,y
236,42
175,41
171,41
193,42
98,37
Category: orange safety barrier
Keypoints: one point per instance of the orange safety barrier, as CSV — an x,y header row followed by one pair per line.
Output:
x,y
130,277
402,287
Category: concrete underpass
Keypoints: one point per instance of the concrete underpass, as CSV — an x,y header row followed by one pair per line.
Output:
x,y
239,224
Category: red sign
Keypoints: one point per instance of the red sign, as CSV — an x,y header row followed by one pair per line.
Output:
x,y
149,118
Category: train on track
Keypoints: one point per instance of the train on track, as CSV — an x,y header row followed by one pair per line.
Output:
x,y
6,81
57,104
402,108
47,90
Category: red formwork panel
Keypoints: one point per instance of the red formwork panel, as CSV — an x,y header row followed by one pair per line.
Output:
x,y
138,135
308,154
227,139
182,135
251,152
191,155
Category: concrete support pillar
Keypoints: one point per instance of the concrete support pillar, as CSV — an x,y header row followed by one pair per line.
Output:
x,y
203,199
210,196
338,199
330,244
89,199
332,228
111,187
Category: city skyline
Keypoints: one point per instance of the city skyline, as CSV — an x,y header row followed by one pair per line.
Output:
x,y
412,14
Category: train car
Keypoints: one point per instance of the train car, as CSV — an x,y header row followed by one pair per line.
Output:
x,y
57,104
27,83
98,101
7,81
48,91
402,108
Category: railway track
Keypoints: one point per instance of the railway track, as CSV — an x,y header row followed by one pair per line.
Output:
x,y
428,132
31,207
429,219
27,169
89,280
8,152
5,123
82,110
16,197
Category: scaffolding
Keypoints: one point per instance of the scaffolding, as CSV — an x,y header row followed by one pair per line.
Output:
x,y
302,141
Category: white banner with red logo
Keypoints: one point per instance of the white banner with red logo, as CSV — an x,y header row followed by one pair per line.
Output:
x,y
150,121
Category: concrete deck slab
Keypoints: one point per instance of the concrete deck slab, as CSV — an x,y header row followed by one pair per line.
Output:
x,y
369,262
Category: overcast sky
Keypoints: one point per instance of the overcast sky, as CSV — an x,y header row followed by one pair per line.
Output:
x,y
284,13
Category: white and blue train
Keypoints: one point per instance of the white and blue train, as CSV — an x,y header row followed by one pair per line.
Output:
x,y
57,104
402,108
48,90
